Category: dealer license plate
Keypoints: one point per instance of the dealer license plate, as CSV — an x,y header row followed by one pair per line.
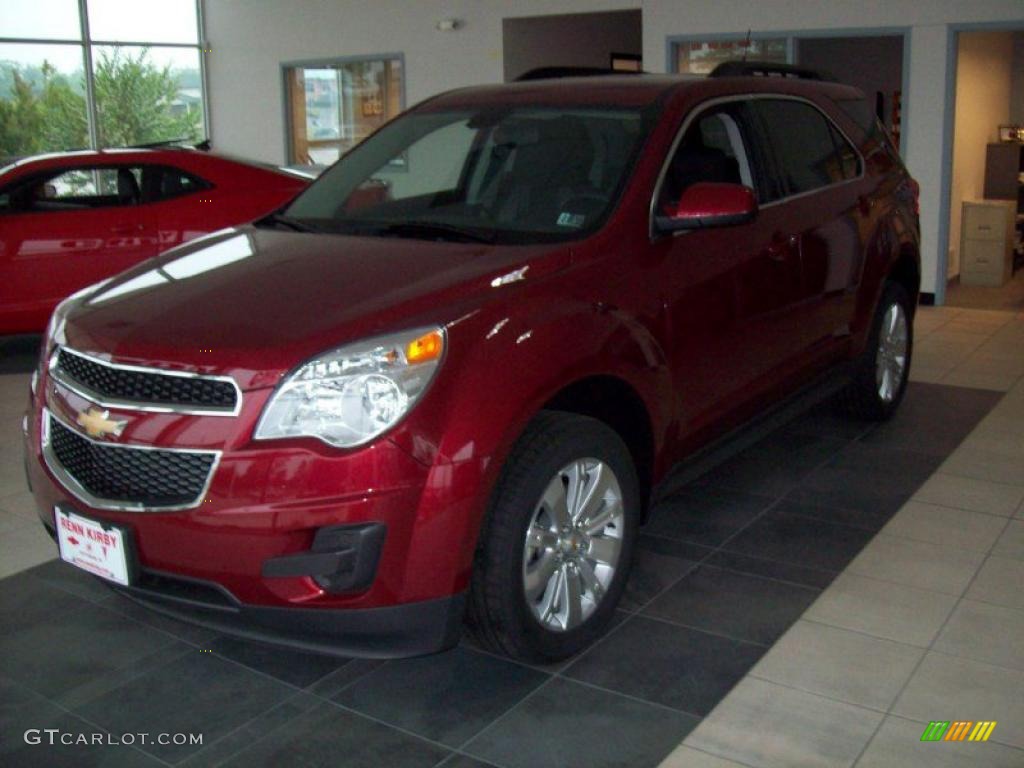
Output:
x,y
94,547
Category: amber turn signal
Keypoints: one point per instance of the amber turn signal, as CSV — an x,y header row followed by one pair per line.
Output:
x,y
427,347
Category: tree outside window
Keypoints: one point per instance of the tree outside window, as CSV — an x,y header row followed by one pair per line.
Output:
x,y
143,93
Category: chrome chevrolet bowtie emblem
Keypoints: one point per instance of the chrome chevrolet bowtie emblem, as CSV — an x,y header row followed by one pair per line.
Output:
x,y
98,423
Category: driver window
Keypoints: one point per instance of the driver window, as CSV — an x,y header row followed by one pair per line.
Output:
x,y
711,150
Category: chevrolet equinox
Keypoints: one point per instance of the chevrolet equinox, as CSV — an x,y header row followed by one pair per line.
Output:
x,y
437,389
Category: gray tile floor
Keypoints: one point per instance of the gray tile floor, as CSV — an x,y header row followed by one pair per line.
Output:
x,y
761,578
926,622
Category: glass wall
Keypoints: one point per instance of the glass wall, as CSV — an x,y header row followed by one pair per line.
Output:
x,y
700,57
130,75
334,105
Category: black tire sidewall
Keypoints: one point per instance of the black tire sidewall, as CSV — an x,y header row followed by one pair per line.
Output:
x,y
588,438
893,293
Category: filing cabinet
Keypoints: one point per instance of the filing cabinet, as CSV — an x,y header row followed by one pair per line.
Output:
x,y
986,244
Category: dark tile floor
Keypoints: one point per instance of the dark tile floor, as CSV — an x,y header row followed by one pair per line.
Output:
x,y
725,565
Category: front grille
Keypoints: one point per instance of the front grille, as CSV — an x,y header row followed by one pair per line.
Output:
x,y
122,384
125,475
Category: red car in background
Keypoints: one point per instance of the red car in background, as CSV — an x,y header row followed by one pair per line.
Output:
x,y
70,219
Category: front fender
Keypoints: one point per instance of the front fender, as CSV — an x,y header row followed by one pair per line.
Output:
x,y
500,371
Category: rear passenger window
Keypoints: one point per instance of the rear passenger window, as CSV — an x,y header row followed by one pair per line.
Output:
x,y
810,153
849,161
161,182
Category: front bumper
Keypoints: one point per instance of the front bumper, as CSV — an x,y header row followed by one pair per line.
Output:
x,y
362,553
412,629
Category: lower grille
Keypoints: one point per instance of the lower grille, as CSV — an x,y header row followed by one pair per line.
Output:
x,y
121,476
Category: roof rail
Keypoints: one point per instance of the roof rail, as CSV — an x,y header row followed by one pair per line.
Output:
x,y
768,69
547,73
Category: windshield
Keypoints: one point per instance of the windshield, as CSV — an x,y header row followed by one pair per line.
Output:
x,y
513,175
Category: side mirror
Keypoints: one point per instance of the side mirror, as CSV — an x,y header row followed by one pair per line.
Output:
x,y
706,204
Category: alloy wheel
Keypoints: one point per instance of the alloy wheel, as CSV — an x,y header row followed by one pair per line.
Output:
x,y
572,544
891,359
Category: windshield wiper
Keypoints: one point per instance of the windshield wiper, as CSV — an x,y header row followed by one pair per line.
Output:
x,y
296,225
433,229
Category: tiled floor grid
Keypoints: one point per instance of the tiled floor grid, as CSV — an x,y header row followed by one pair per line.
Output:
x,y
813,601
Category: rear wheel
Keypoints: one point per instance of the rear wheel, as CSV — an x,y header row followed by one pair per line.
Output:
x,y
880,377
557,544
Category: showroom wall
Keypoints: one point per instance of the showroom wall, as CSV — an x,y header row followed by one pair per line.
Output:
x,y
982,104
579,40
251,37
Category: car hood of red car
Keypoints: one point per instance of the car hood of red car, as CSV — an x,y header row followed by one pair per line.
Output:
x,y
256,302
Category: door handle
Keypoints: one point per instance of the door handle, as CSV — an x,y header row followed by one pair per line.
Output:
x,y
781,247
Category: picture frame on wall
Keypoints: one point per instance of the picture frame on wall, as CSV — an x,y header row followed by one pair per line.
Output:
x,y
1011,133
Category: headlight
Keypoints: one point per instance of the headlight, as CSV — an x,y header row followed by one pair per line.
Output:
x,y
350,395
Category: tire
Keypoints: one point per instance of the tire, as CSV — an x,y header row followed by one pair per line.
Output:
x,y
880,374
550,597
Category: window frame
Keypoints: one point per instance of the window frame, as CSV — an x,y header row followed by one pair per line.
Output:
x,y
330,63
675,44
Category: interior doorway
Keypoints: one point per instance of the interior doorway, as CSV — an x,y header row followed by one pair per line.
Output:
x,y
985,264
608,40
872,63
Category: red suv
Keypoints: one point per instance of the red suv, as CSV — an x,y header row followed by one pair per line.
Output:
x,y
442,382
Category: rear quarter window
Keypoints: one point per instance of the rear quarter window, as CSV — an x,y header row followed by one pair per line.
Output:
x,y
876,137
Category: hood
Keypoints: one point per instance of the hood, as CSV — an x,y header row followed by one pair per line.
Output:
x,y
257,302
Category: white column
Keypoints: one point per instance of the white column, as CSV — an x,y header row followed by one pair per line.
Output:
x,y
924,120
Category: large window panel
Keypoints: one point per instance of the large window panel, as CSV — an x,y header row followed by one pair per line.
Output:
x,y
146,95
40,19
144,84
334,105
42,99
700,57
136,21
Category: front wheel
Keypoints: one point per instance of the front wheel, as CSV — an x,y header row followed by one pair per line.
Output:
x,y
556,547
880,376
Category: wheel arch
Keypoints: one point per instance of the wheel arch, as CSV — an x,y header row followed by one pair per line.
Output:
x,y
906,270
614,402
